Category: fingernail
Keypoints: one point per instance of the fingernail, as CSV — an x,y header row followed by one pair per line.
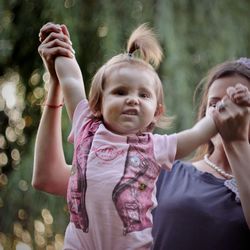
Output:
x,y
73,50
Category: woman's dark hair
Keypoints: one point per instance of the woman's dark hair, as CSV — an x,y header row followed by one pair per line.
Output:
x,y
240,67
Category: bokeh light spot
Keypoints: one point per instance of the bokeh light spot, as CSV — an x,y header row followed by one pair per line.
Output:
x,y
38,92
22,246
26,237
35,78
21,140
3,159
3,180
2,142
102,31
17,228
23,185
40,241
9,94
39,226
47,217
22,215
69,3
10,134
15,155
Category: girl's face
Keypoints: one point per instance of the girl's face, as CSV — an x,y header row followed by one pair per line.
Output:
x,y
129,102
218,89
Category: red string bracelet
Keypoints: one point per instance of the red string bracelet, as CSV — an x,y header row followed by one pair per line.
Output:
x,y
53,106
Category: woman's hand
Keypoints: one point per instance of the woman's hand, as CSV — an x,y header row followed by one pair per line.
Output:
x,y
233,120
55,41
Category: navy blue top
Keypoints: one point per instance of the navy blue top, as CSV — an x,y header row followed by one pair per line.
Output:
x,y
197,212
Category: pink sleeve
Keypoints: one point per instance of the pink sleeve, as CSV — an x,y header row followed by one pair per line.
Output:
x,y
80,117
165,147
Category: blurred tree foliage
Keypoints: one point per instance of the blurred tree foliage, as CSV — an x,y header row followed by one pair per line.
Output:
x,y
195,36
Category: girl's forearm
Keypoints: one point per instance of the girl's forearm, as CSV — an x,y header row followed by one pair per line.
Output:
x,y
190,139
71,81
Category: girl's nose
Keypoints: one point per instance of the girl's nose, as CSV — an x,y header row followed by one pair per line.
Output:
x,y
132,100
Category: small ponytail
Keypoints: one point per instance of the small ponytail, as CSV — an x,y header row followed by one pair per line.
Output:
x,y
144,40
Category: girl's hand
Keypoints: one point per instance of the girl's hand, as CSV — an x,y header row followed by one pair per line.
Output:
x,y
55,41
239,94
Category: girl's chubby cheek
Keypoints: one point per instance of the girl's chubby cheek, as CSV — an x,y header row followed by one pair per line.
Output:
x,y
113,113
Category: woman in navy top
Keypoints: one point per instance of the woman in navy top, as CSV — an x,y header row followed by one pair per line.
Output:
x,y
205,205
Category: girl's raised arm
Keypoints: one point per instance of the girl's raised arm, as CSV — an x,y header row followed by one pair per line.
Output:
x,y
70,79
190,139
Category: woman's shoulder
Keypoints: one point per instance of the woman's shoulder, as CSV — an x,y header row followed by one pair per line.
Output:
x,y
181,165
178,169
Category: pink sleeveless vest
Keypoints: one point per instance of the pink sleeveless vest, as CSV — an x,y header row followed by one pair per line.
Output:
x,y
132,195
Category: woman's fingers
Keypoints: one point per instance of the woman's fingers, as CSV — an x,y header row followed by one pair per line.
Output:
x,y
47,29
65,30
53,28
55,48
56,39
49,53
60,36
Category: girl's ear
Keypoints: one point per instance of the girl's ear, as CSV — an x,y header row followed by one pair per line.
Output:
x,y
98,114
158,112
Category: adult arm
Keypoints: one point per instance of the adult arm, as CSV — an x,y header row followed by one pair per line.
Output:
x,y
235,139
50,170
57,48
238,155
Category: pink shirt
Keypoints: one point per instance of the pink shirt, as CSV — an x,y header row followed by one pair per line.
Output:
x,y
118,185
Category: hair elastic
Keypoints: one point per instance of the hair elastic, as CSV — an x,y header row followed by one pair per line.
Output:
x,y
130,54
245,61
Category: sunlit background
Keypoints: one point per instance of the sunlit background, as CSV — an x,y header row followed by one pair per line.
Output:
x,y
195,36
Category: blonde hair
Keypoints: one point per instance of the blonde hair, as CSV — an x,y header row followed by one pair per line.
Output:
x,y
142,41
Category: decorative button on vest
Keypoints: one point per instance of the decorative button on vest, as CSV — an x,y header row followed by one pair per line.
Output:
x,y
135,161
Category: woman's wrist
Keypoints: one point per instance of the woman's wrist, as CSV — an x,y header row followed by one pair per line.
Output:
x,y
236,145
55,96
53,106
